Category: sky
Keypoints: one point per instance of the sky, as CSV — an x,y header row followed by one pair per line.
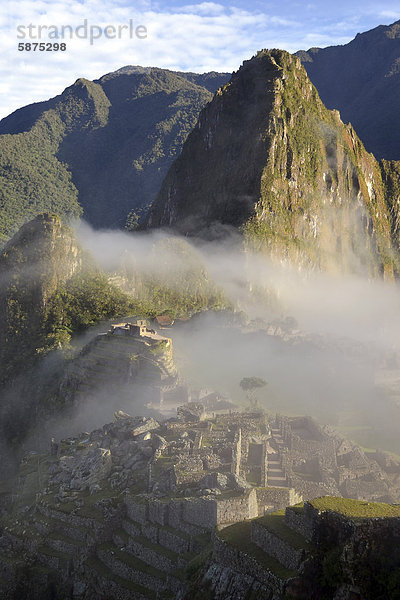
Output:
x,y
181,35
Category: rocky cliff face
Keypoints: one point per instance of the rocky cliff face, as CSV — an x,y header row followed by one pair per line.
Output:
x,y
267,156
38,260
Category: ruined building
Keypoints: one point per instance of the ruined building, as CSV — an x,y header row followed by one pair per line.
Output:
x,y
124,511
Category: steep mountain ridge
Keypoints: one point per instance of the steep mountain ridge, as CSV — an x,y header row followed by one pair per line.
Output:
x,y
50,288
102,146
362,80
267,156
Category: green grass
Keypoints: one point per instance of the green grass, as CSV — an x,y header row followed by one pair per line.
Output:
x,y
132,561
176,532
298,508
356,508
238,536
47,551
156,547
97,565
123,535
275,523
58,536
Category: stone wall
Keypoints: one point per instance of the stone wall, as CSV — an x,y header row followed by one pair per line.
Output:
x,y
288,556
237,453
173,541
118,567
276,497
110,588
136,510
150,556
264,466
189,469
311,489
302,521
157,511
201,512
225,555
237,508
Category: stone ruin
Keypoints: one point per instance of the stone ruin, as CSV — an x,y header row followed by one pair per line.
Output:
x,y
317,461
123,509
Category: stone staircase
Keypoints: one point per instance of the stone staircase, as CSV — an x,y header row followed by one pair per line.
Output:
x,y
275,474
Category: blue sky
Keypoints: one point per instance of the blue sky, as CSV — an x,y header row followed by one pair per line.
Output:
x,y
197,36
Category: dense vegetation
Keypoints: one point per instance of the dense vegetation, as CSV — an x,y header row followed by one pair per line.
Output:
x,y
102,146
175,282
50,290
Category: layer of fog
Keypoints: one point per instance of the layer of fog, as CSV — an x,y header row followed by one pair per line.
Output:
x,y
340,305
348,330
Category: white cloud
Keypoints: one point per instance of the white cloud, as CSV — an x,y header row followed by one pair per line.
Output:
x,y
197,37
390,14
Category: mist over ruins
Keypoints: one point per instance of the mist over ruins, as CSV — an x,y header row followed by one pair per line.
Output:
x,y
199,333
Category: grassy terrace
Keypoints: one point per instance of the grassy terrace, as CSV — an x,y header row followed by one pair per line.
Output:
x,y
298,508
356,509
54,524
132,561
181,534
157,548
48,551
238,536
275,523
61,537
97,565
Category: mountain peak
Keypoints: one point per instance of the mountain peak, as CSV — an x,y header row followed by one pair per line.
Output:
x,y
268,157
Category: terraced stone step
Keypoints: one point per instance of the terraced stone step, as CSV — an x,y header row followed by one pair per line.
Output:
x,y
131,568
116,586
120,538
132,528
153,554
238,537
88,517
63,543
46,525
189,528
274,537
7,566
175,540
54,559
167,537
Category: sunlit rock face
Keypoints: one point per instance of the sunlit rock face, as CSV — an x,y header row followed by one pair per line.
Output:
x,y
268,157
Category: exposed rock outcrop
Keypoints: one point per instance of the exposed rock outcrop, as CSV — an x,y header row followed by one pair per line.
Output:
x,y
267,156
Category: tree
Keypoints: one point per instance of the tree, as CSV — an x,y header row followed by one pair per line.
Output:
x,y
250,385
132,221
